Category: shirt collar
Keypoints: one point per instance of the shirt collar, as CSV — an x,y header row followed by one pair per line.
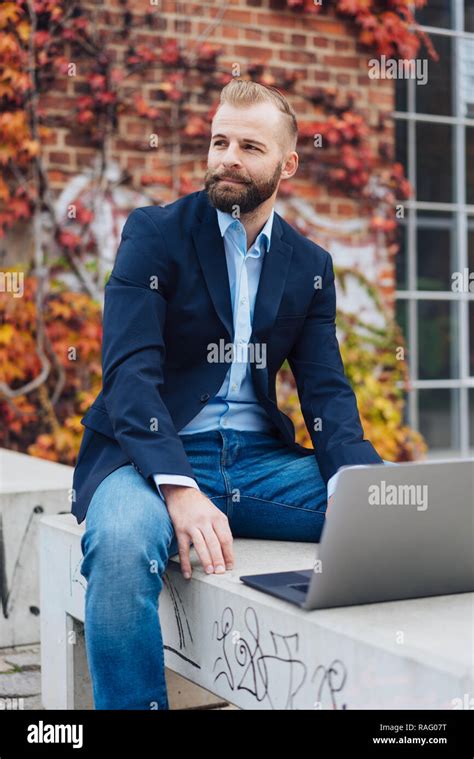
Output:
x,y
264,236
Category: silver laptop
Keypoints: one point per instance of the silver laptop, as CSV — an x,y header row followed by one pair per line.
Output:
x,y
392,532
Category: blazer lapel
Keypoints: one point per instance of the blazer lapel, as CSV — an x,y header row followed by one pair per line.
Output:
x,y
276,261
271,286
210,249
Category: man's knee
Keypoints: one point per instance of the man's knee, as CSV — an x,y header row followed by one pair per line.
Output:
x,y
127,522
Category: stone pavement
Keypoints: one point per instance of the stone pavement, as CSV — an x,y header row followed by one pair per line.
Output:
x,y
20,677
20,683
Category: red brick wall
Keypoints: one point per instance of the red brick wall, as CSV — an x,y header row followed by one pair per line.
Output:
x,y
322,49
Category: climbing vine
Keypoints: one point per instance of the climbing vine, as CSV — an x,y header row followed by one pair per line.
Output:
x,y
386,27
50,44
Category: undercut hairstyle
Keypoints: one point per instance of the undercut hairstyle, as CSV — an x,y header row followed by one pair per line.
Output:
x,y
242,92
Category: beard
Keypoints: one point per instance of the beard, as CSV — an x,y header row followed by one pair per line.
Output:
x,y
246,196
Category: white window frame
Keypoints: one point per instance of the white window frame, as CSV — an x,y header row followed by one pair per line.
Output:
x,y
462,435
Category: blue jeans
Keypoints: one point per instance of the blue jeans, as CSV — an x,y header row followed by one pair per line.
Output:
x,y
266,489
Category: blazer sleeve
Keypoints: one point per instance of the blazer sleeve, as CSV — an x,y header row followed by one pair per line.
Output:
x,y
133,350
328,403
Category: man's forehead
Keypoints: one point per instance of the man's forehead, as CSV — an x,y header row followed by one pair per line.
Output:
x,y
230,119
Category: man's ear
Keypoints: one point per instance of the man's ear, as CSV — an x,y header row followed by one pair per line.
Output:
x,y
290,165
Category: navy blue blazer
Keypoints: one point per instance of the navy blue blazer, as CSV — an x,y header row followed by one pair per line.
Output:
x,y
167,298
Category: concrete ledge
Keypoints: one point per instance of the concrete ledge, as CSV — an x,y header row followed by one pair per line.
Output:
x,y
258,652
29,488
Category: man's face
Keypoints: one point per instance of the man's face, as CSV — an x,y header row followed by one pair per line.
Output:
x,y
246,147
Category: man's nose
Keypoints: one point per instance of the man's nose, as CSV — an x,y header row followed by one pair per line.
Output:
x,y
231,157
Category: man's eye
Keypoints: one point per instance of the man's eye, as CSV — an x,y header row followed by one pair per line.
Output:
x,y
251,146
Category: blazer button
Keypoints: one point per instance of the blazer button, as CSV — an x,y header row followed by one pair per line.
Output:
x,y
204,397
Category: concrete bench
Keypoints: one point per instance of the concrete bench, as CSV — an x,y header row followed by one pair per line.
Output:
x,y
29,488
258,652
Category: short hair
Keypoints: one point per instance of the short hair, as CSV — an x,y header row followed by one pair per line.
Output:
x,y
241,92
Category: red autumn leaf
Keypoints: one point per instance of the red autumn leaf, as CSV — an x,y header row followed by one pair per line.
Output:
x,y
196,127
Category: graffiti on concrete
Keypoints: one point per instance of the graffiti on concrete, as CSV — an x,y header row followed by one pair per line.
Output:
x,y
183,626
6,592
274,674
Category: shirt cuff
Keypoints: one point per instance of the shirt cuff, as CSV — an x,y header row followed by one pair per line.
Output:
x,y
174,479
331,486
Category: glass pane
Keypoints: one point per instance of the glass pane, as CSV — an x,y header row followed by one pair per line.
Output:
x,y
470,165
471,338
401,316
434,162
437,339
401,146
435,250
437,418
436,95
469,15
400,258
466,71
401,88
470,245
436,13
471,417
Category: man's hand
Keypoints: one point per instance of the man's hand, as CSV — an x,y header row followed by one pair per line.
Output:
x,y
330,500
195,519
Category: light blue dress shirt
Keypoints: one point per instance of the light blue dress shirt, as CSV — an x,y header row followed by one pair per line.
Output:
x,y
235,405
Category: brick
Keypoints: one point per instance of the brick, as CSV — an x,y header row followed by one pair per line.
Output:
x,y
50,139
57,177
227,32
136,128
57,157
277,20
181,26
323,208
322,76
342,61
135,162
252,53
276,37
321,41
327,26
239,17
85,158
343,79
253,34
297,56
299,40
75,139
342,45
345,209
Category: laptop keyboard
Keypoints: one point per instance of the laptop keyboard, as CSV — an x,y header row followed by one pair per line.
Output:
x,y
301,586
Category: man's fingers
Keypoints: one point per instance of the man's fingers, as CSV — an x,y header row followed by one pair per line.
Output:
x,y
225,538
201,549
183,550
214,547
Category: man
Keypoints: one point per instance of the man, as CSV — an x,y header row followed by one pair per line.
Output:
x,y
185,444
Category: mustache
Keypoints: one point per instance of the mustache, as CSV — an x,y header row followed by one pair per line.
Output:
x,y
226,176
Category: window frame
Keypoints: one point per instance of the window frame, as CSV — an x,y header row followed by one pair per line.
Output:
x,y
462,213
